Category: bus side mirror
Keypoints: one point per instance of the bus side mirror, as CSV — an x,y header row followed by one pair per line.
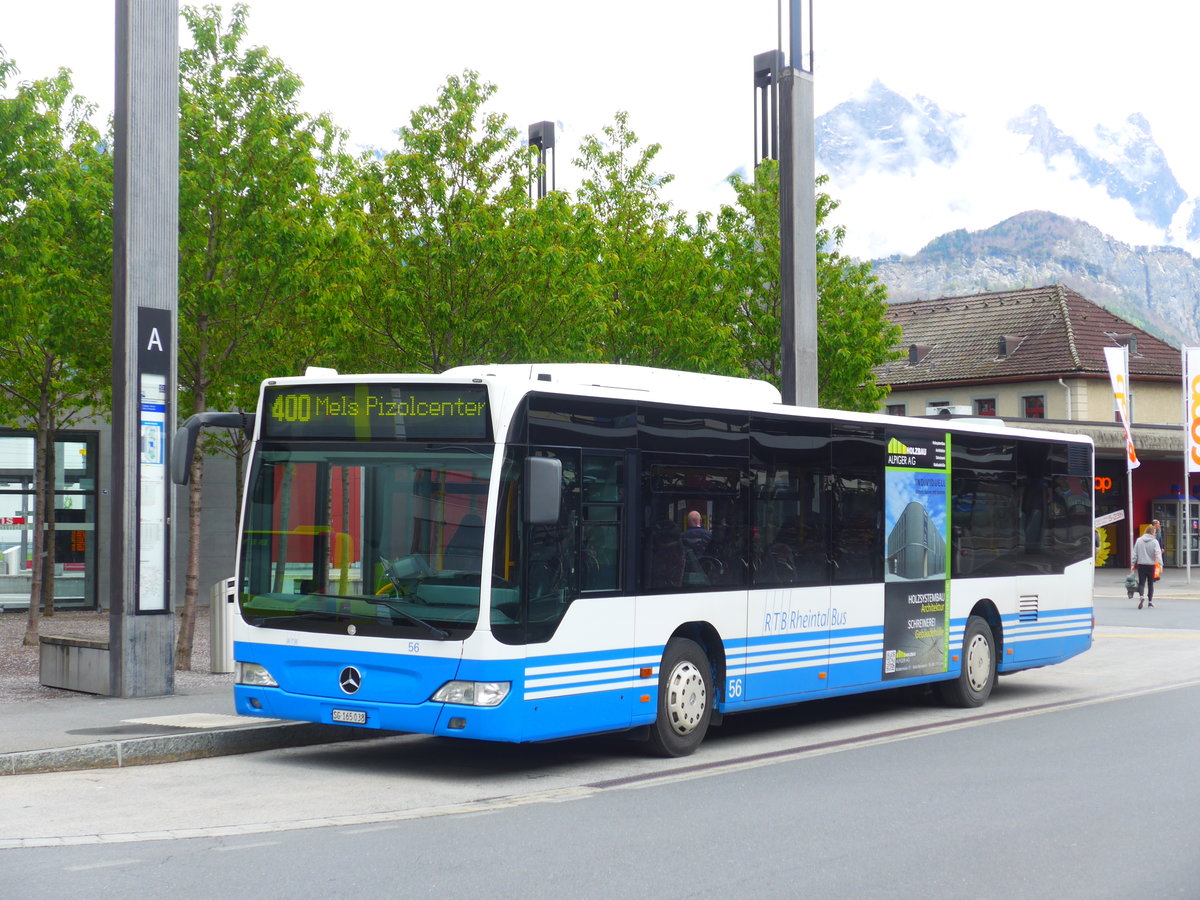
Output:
x,y
184,444
543,490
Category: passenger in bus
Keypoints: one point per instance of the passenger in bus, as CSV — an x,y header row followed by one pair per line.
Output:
x,y
696,538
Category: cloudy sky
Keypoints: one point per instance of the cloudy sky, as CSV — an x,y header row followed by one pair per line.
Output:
x,y
683,70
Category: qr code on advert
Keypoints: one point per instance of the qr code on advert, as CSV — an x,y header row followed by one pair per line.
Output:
x,y
889,661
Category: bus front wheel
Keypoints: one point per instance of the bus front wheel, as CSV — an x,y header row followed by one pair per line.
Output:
x,y
685,698
974,683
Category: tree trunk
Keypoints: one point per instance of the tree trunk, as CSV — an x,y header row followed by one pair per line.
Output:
x,y
39,537
50,518
187,619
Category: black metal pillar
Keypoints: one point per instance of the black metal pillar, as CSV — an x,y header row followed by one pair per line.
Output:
x,y
541,135
767,67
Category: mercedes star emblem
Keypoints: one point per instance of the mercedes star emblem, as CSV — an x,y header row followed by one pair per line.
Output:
x,y
350,680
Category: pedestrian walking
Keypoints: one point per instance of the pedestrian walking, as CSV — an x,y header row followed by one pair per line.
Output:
x,y
1147,558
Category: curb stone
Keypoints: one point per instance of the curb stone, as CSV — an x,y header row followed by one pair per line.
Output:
x,y
144,751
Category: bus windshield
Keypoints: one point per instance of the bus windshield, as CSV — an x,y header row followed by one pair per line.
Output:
x,y
384,541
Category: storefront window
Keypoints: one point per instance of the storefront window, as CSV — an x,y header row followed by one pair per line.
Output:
x,y
75,520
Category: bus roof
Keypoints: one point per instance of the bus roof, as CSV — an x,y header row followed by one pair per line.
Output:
x,y
678,386
670,386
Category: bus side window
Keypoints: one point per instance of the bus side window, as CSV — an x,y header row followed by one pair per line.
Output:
x,y
790,514
857,489
603,518
678,554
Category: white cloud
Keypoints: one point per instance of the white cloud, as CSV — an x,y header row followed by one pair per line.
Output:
x,y
682,68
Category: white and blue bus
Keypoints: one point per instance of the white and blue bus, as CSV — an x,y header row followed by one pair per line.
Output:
x,y
525,553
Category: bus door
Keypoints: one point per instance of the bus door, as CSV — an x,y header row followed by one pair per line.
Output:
x,y
789,611
856,494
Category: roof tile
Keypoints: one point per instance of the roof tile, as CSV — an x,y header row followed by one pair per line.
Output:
x,y
1061,333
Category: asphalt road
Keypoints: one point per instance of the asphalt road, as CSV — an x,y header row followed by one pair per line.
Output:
x,y
1075,779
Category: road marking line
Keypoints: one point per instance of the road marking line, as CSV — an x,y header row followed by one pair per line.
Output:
x,y
1161,637
246,846
822,748
394,816
112,864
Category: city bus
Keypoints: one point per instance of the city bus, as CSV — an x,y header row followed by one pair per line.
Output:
x,y
533,552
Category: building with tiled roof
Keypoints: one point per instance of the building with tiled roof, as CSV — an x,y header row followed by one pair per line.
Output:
x,y
1035,356
1011,347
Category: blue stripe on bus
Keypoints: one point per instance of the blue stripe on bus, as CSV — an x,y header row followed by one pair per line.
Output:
x,y
558,695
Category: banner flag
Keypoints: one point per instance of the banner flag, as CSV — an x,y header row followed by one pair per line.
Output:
x,y
1118,373
1191,395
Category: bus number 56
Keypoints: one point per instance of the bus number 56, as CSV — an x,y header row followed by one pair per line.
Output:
x,y
733,690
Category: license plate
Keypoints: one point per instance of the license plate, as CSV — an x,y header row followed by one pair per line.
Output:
x,y
350,716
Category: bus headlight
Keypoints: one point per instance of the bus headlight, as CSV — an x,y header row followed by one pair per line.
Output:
x,y
254,675
473,693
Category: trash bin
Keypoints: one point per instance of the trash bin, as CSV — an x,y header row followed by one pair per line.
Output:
x,y
221,610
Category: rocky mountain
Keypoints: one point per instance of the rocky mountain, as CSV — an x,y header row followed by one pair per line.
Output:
x,y
1156,288
883,132
1125,162
909,154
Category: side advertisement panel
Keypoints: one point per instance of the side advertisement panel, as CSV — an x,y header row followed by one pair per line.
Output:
x,y
916,627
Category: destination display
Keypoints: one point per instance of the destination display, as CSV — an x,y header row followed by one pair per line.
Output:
x,y
365,412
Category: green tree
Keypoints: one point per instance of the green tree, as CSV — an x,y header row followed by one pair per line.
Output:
x,y
654,264
260,251
55,283
853,332
462,267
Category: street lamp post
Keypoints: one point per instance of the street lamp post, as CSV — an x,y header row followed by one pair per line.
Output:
x,y
798,215
541,136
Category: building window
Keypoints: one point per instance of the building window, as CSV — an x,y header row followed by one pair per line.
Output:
x,y
895,409
1035,406
75,512
985,406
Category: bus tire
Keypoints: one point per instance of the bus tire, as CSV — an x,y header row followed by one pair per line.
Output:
x,y
685,699
978,676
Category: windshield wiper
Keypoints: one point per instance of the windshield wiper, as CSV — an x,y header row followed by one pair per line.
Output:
x,y
439,633
318,615
329,615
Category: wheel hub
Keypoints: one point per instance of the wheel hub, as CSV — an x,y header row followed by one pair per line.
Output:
x,y
979,663
686,698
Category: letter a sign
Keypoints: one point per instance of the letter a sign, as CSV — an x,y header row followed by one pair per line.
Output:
x,y
155,342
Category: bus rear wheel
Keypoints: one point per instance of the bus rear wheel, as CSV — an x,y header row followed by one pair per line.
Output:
x,y
978,676
685,697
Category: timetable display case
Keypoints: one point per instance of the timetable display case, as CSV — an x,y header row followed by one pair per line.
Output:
x,y
1181,530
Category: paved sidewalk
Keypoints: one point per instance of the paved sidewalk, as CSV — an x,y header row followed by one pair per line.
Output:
x,y
49,730
1172,586
89,732
61,730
